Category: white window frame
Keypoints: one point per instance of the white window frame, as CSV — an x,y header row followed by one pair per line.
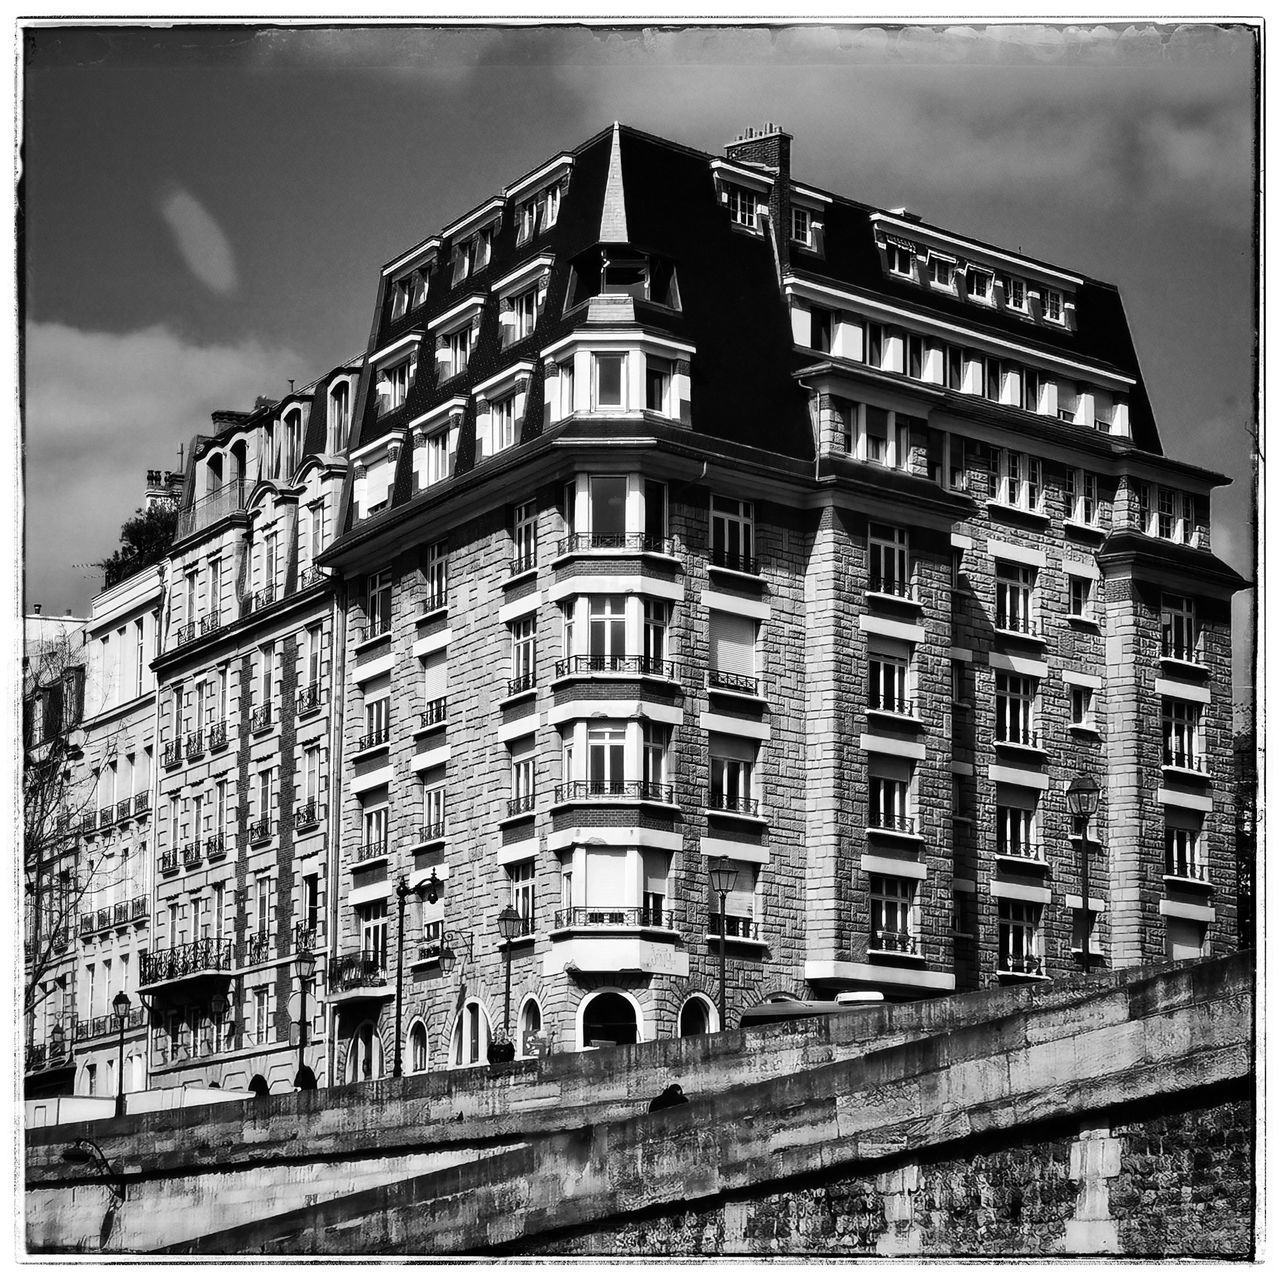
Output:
x,y
1015,596
1019,936
888,559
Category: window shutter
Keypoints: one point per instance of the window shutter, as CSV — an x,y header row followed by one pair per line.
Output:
x,y
733,644
656,866
436,676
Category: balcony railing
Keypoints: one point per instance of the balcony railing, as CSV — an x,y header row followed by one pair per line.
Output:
x,y
521,804
374,739
310,576
104,917
901,943
631,664
307,814
430,831
195,745
612,918
738,563
522,564
358,969
1186,865
728,926
204,956
87,920
141,803
1183,758
169,861
261,830
221,502
726,803
171,754
1016,622
260,599
307,937
138,907
1016,736
53,1053
522,683
258,948
732,682
1032,850
120,913
192,854
1189,653
1023,964
215,846
374,849
307,698
123,809
892,822
435,600
210,623
578,542
106,815
435,712
217,735
378,630
893,706
185,634
900,588
610,789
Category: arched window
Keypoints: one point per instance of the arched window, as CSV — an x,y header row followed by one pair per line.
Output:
x,y
238,454
339,415
213,473
470,1036
609,1018
364,1054
292,441
530,1025
417,1047
695,1017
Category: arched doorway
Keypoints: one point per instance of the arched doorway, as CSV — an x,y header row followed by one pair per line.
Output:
x,y
364,1055
530,1025
609,1018
695,1017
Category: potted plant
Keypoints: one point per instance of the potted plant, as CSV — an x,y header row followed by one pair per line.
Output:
x,y
502,1049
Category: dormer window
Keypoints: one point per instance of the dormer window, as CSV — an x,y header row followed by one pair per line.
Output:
x,y
435,443
339,415
942,272
471,254
455,335
1015,292
801,226
409,291
374,475
978,284
458,348
392,386
743,206
292,441
1053,305
538,213
500,409
901,259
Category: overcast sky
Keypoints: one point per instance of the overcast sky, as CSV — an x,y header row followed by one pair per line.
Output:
x,y
206,210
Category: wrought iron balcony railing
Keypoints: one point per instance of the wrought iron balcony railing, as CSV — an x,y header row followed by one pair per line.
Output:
x,y
307,937
195,745
260,718
521,804
901,943
613,918
1016,622
221,502
106,815
185,634
641,542
435,712
891,822
522,564
215,846
886,585
1032,850
732,926
379,629
614,789
376,738
1184,758
123,809
120,913
258,947
431,831
310,576
1016,736
630,664
307,698
192,854
138,907
87,921
104,918
522,683
217,735
358,969
169,860
207,955
724,802
374,849
307,814
738,563
261,830
892,706
435,600
732,682
1023,964
210,623
171,754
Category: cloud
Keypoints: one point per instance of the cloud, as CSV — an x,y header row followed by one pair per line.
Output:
x,y
200,240
100,410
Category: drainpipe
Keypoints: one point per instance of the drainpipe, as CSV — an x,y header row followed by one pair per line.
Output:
x,y
337,709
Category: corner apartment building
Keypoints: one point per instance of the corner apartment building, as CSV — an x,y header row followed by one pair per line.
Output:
x,y
245,693
697,513
116,841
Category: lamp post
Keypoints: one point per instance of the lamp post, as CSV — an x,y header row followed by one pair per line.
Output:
x,y
508,927
402,892
1082,800
306,963
448,956
121,1005
723,874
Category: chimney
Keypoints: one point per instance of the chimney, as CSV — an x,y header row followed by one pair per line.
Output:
x,y
769,149
38,607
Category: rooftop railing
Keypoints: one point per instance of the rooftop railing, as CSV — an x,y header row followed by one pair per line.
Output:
x,y
215,506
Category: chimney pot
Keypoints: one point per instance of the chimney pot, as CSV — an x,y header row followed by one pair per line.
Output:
x,y
38,608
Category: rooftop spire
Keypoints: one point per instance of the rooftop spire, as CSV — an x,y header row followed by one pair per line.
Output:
x,y
613,217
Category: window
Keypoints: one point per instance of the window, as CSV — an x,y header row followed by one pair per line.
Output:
x,y
608,380
875,345
315,520
606,510
657,617
1180,721
1014,585
1015,709
994,379
310,914
523,778
822,327
888,568
1182,856
1080,593
435,687
417,1048
372,919
374,823
377,603
606,770
607,633
266,794
1015,293
901,260
1032,390
731,644
1019,941
915,356
1179,637
889,799
888,669
1081,707
801,226
392,387
892,916
1020,481
655,516
458,345
884,442
954,367
978,284
339,416
742,206
739,906
731,534
521,316
401,296
524,536
377,719
1082,496
523,654
657,741
522,894
502,423
657,385
1015,827
940,272
565,377
436,573
1053,305
1184,939
221,808
139,657
470,1036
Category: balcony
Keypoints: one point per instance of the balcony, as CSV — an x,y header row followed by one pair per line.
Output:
x,y
523,683
577,543
377,738
192,855
108,1024
259,600
226,501
374,850
898,588
185,634
436,712
190,960
886,706
901,944
433,602
371,634
612,918
732,682
430,831
48,1055
217,735
195,745
87,919
258,948
106,815
104,918
260,718
307,699
138,907
359,974
261,830
123,809
899,824
630,664
171,754
120,913
618,790
210,623
169,861
723,802
310,577
215,846
734,562
307,937
523,564
307,814
521,804
1021,850
743,928
141,803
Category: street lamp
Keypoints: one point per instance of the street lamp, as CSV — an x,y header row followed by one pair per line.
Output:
x,y
306,963
84,1151
121,1005
508,927
448,956
1082,801
402,892
723,875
